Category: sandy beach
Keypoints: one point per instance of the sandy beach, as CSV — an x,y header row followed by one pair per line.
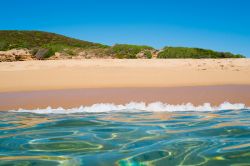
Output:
x,y
72,83
115,73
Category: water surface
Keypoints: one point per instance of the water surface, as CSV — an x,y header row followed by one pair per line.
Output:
x,y
131,137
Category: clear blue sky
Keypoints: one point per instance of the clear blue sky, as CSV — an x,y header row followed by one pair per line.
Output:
x,y
223,25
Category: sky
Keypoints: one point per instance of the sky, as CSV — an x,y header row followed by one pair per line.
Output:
x,y
222,25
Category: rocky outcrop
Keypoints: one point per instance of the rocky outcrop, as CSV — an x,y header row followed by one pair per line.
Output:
x,y
16,55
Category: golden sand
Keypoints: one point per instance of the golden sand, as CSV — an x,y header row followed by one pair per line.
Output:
x,y
115,73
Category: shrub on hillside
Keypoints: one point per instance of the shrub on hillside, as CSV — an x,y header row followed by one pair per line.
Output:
x,y
196,53
3,46
148,54
128,51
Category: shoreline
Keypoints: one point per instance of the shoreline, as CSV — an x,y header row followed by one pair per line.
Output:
x,y
72,83
72,98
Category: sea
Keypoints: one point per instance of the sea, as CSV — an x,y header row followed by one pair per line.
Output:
x,y
134,134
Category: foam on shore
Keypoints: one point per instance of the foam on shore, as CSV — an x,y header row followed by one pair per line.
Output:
x,y
134,106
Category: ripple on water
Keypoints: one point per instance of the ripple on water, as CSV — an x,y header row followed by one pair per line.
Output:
x,y
69,146
112,130
126,138
145,158
139,144
29,162
33,160
73,123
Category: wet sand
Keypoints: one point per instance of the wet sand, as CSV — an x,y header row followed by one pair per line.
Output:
x,y
172,95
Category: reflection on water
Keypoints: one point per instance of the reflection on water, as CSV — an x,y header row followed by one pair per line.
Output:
x,y
132,138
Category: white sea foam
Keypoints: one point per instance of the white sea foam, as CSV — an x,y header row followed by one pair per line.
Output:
x,y
134,106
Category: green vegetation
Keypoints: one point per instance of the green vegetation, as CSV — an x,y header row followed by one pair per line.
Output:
x,y
196,53
31,39
44,45
126,51
53,48
38,39
148,54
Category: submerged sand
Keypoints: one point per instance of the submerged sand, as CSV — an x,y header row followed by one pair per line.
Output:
x,y
115,73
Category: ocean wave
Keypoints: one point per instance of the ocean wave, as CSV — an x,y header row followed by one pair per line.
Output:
x,y
137,106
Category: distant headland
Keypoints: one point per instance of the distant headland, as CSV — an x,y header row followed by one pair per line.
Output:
x,y
31,45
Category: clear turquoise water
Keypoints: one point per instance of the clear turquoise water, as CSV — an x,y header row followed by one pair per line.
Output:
x,y
133,138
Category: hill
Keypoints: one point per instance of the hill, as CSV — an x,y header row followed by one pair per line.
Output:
x,y
45,45
31,39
